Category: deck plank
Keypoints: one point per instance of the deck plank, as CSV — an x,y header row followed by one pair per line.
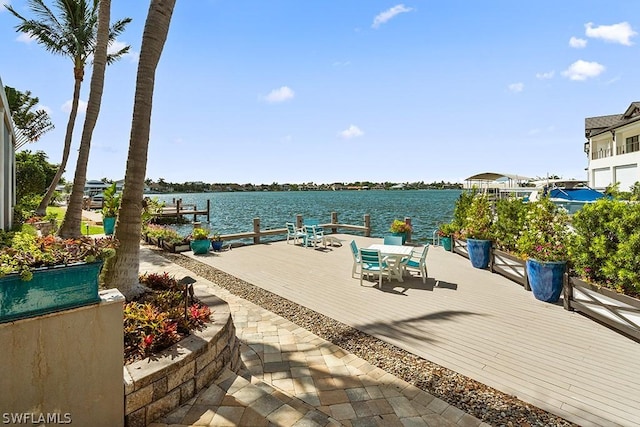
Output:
x,y
474,322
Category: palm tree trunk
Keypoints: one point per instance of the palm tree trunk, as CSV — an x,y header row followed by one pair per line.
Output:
x,y
42,208
71,225
122,270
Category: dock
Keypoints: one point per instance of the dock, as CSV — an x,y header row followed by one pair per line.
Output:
x,y
179,209
471,321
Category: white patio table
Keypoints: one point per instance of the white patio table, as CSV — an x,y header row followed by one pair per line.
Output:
x,y
395,253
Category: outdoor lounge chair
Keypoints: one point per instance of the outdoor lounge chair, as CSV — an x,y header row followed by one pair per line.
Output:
x,y
294,233
313,235
417,261
356,258
371,262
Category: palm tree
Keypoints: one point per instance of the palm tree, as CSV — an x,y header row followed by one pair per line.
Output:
x,y
72,34
122,270
72,222
31,125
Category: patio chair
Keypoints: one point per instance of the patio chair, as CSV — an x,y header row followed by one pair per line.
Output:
x,y
356,258
371,262
417,261
393,240
294,233
313,235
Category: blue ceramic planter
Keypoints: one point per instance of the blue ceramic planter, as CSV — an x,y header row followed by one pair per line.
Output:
x,y
50,289
479,252
109,223
217,245
445,242
545,279
200,247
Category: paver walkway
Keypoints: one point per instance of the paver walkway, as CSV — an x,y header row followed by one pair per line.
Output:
x,y
294,378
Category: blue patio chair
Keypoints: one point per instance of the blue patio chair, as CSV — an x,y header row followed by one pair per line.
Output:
x,y
371,262
356,258
294,233
313,235
418,262
393,240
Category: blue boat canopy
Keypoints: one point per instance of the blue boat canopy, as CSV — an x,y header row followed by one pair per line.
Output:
x,y
576,194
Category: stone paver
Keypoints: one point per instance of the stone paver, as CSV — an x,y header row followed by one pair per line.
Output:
x,y
291,377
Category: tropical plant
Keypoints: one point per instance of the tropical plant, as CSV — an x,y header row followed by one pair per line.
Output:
x,y
510,220
110,201
399,226
158,319
121,271
200,234
215,237
29,251
545,235
479,220
71,225
72,34
447,229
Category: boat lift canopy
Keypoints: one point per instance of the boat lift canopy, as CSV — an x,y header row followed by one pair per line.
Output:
x,y
496,180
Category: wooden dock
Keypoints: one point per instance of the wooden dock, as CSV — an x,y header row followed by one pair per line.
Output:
x,y
180,209
471,321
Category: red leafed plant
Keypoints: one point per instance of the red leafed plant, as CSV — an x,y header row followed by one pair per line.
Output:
x,y
157,319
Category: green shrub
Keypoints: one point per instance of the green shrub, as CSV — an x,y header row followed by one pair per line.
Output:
x,y
510,220
545,235
462,206
479,221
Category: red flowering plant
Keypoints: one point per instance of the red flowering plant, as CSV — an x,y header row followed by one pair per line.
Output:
x,y
545,235
157,319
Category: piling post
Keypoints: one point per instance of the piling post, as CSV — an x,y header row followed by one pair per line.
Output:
x,y
567,291
407,221
298,221
367,224
178,203
208,209
256,231
334,220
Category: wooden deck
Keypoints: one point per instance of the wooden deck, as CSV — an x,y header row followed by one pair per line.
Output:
x,y
471,321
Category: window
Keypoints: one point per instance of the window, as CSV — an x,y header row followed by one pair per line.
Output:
x,y
632,144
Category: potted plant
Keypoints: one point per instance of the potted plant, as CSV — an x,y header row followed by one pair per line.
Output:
x,y
200,242
478,231
543,242
42,274
216,241
110,206
445,233
400,228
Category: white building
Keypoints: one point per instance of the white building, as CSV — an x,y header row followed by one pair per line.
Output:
x,y
613,148
7,163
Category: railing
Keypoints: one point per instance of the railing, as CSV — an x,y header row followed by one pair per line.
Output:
x,y
334,225
629,147
601,153
619,312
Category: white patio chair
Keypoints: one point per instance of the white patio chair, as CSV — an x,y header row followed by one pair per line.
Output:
x,y
371,262
313,235
417,261
294,233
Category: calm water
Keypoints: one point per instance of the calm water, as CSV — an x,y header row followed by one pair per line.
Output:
x,y
234,212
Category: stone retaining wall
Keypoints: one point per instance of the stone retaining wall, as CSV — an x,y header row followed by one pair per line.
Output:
x,y
153,388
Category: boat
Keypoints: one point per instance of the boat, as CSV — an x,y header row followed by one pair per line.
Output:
x,y
571,194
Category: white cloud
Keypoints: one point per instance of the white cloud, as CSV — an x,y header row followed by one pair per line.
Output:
x,y
583,70
25,38
545,76
616,33
280,95
516,87
385,16
352,131
577,42
82,106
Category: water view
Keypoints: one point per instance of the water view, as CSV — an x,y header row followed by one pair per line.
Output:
x,y
234,212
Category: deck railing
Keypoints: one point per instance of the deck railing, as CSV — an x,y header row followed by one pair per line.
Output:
x,y
334,225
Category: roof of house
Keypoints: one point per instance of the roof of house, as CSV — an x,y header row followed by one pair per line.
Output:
x,y
600,124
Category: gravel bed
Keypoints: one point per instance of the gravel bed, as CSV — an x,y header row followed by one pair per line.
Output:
x,y
483,402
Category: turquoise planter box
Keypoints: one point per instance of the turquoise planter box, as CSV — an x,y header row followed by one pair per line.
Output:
x,y
51,289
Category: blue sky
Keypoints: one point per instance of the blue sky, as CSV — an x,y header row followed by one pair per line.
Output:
x,y
340,91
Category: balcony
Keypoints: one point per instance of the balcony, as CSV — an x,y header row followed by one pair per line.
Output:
x,y
629,147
